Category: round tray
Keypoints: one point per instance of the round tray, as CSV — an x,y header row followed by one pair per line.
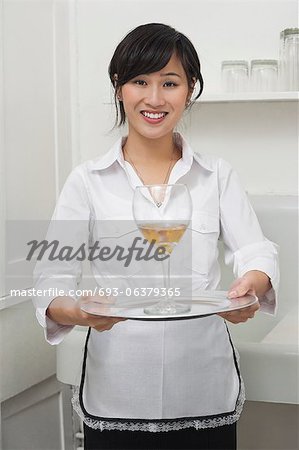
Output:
x,y
211,302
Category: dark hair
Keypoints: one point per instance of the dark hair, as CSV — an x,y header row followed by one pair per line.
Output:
x,y
147,49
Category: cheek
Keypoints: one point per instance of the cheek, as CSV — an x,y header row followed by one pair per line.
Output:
x,y
180,105
129,96
180,101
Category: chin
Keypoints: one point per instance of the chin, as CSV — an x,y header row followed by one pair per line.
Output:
x,y
155,134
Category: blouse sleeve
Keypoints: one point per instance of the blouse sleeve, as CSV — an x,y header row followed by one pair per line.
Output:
x,y
55,274
245,245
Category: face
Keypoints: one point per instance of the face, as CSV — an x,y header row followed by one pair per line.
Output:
x,y
155,102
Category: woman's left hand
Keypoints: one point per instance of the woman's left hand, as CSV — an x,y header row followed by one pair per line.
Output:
x,y
239,288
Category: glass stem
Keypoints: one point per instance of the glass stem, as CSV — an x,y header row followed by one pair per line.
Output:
x,y
166,277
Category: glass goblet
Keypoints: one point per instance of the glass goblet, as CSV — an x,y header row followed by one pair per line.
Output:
x,y
162,213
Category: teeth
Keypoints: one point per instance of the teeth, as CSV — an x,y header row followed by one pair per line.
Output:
x,y
153,115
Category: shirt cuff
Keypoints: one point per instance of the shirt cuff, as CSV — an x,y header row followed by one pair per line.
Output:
x,y
268,302
245,260
54,332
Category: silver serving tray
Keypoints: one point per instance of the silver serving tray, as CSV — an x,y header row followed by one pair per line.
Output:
x,y
210,302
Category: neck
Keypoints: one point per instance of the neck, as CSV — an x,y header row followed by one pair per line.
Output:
x,y
141,148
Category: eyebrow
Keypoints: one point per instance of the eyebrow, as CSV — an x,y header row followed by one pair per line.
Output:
x,y
170,74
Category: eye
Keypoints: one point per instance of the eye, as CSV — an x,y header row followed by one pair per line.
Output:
x,y
170,84
139,82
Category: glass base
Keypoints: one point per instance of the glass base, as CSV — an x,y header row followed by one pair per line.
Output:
x,y
166,308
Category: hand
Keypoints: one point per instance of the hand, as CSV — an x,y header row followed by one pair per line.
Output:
x,y
99,323
66,311
239,288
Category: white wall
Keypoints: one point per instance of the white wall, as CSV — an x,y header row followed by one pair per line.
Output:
x,y
36,103
259,139
35,157
36,153
2,162
29,120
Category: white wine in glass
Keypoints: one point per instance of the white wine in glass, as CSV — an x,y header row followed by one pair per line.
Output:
x,y
162,213
162,234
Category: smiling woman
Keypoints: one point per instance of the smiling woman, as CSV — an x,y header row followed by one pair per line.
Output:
x,y
154,78
147,50
158,384
157,99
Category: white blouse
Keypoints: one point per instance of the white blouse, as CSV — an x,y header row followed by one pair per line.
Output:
x,y
158,375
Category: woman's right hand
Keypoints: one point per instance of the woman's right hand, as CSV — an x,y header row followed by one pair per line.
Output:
x,y
67,311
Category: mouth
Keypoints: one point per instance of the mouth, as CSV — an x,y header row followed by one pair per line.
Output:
x,y
154,117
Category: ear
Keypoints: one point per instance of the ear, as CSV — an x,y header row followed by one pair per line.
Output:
x,y
192,85
118,94
191,89
117,88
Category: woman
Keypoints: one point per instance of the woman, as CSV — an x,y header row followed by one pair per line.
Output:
x,y
160,384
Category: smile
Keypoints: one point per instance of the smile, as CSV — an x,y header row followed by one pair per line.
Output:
x,y
152,117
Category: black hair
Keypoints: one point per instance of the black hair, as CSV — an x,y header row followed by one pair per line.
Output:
x,y
147,49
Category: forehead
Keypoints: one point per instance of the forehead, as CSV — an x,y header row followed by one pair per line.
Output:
x,y
173,65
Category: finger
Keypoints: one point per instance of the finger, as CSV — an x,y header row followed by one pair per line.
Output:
x,y
251,309
102,319
108,323
235,283
239,288
224,315
235,317
240,291
251,313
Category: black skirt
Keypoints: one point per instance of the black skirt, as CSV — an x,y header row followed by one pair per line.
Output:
x,y
219,438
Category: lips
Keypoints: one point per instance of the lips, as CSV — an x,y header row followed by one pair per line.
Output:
x,y
154,117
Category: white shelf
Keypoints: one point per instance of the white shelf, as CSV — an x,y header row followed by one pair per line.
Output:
x,y
223,97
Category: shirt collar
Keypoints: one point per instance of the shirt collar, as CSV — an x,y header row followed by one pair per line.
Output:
x,y
106,160
116,154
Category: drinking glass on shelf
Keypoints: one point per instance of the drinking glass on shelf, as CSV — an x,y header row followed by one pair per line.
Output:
x,y
162,213
264,75
281,63
234,76
290,58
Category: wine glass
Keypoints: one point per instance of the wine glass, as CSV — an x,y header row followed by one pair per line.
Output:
x,y
162,213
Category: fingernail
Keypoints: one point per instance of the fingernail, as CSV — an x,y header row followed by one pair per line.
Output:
x,y
232,294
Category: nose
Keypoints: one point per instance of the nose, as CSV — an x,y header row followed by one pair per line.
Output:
x,y
155,97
